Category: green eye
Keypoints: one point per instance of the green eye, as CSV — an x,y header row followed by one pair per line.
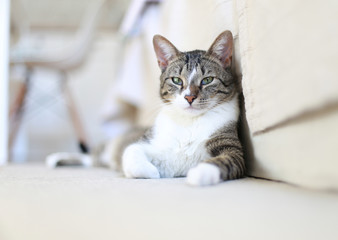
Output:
x,y
177,81
207,80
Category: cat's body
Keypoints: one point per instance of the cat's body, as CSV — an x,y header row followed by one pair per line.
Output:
x,y
178,142
195,133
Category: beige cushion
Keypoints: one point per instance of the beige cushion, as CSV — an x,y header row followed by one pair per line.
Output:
x,y
304,152
37,203
289,57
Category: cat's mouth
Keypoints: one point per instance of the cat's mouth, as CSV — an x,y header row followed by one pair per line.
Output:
x,y
192,109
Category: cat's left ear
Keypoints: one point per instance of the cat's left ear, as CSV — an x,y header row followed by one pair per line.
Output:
x,y
222,48
165,51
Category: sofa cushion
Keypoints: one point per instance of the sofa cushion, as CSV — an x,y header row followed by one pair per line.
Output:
x,y
303,152
290,56
289,59
69,203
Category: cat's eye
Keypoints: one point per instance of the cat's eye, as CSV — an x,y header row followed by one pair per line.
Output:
x,y
207,80
177,81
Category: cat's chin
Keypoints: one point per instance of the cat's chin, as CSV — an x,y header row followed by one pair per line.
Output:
x,y
192,111
187,111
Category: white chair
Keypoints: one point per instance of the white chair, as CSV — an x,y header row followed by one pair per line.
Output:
x,y
62,61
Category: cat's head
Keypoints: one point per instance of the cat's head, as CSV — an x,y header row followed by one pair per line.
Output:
x,y
196,81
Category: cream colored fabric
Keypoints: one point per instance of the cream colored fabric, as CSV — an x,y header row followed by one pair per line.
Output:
x,y
191,24
290,56
289,60
37,203
304,153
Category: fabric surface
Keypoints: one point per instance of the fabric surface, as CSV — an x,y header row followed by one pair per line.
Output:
x,y
289,59
289,56
303,152
73,203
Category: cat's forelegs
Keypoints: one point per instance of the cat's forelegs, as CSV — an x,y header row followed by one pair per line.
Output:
x,y
226,162
226,166
135,163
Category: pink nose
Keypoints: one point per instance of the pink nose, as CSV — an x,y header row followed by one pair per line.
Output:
x,y
190,98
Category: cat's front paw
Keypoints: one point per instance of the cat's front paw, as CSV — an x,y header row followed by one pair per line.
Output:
x,y
136,165
204,174
140,170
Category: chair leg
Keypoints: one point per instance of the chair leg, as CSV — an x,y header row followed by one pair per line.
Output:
x,y
74,116
17,111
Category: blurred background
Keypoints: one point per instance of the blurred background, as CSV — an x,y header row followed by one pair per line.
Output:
x,y
65,58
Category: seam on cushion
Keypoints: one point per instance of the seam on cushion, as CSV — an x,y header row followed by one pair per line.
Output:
x,y
304,116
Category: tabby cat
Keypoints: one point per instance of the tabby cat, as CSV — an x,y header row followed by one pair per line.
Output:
x,y
195,133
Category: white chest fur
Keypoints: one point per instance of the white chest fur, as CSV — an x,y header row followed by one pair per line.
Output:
x,y
179,141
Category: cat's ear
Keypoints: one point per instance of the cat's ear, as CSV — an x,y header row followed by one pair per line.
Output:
x,y
165,51
222,48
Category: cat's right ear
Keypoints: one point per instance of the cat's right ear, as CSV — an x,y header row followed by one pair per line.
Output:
x,y
222,48
165,51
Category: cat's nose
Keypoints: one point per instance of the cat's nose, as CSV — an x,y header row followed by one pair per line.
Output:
x,y
190,98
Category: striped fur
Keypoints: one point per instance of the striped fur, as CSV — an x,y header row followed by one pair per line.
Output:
x,y
227,153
